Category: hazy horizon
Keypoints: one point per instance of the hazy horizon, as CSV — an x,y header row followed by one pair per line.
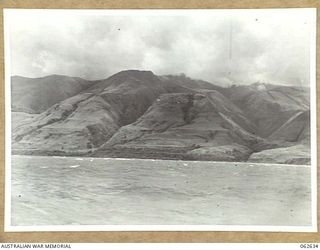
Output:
x,y
196,79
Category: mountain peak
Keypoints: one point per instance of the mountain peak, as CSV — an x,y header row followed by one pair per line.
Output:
x,y
135,73
140,75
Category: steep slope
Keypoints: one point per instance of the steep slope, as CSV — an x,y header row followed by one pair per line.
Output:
x,y
85,121
294,136
295,129
269,106
186,126
35,95
136,114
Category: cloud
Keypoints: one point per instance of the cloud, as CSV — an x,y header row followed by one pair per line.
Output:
x,y
226,47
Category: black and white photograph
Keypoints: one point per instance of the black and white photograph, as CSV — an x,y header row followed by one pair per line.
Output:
x,y
189,120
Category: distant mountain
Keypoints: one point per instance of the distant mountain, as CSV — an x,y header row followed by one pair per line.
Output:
x,y
136,114
35,95
190,83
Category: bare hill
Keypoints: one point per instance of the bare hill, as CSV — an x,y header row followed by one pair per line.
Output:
x,y
186,126
87,120
137,114
35,95
269,106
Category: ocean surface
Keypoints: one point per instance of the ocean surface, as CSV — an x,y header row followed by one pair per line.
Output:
x,y
97,191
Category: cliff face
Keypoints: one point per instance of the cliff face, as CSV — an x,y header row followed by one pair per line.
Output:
x,y
137,114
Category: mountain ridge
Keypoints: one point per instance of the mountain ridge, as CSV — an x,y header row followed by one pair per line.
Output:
x,y
138,114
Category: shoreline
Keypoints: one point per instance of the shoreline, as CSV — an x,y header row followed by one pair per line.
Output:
x,y
153,160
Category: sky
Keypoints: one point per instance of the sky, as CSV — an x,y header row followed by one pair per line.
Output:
x,y
221,46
